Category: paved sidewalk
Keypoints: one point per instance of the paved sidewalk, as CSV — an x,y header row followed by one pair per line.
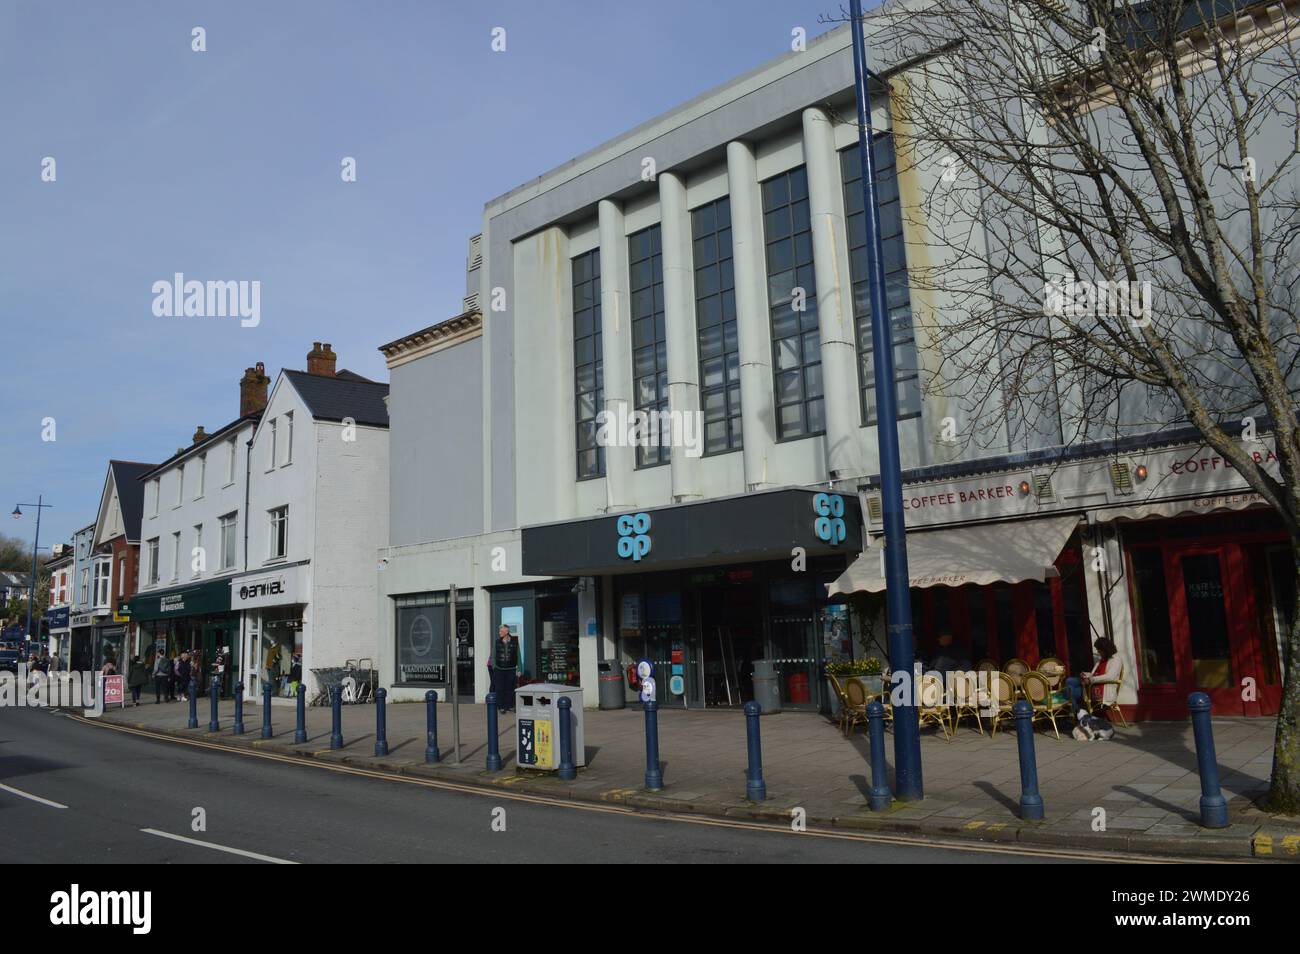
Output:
x,y
1145,780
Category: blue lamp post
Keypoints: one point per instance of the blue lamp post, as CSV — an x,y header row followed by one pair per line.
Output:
x,y
902,653
36,545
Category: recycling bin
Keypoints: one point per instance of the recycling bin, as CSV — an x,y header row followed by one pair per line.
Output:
x,y
612,695
767,686
537,726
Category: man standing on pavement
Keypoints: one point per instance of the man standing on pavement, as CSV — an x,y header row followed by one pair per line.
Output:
x,y
162,668
505,660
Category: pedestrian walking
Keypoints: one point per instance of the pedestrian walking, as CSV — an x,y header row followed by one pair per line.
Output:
x,y
183,676
505,660
162,669
136,677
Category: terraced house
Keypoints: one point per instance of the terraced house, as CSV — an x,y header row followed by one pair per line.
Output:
x,y
712,262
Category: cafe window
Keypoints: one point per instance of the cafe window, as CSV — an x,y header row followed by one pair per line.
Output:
x,y
1155,640
421,632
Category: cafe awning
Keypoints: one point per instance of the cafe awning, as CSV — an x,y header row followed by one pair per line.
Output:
x,y
1007,552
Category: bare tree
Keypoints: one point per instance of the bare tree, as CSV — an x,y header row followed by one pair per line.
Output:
x,y
1111,240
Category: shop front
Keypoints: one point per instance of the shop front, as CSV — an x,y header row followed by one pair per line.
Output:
x,y
704,591
429,642
274,605
196,619
58,622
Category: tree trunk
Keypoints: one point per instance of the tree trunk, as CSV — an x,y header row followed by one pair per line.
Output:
x,y
1284,793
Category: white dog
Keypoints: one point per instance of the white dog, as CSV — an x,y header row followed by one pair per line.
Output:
x,y
1091,728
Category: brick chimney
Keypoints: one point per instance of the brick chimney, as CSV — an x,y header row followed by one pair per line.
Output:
x,y
199,435
321,360
252,390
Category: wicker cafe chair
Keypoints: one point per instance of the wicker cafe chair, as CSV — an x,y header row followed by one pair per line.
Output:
x,y
966,699
932,706
986,665
1002,696
855,705
1054,670
1016,668
1092,704
843,698
1047,704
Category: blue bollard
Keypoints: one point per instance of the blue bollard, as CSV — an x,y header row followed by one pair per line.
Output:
x,y
755,788
239,708
1031,803
266,710
654,776
879,798
214,724
381,722
493,755
336,718
300,729
431,753
1075,688
1214,808
567,770
194,706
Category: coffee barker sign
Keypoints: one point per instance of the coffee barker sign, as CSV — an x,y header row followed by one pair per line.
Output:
x,y
633,535
829,525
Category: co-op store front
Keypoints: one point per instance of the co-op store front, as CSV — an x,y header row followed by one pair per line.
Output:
x,y
1163,550
704,589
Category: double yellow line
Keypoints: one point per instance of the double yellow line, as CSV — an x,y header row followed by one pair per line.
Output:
x,y
880,838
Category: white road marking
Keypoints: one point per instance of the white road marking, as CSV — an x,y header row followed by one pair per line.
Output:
x,y
35,798
216,847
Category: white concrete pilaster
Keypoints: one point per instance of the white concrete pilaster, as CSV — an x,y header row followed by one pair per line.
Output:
x,y
834,297
616,338
758,415
679,316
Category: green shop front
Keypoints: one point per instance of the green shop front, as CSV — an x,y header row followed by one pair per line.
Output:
x,y
196,619
706,591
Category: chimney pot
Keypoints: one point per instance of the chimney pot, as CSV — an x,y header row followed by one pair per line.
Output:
x,y
252,390
199,435
321,360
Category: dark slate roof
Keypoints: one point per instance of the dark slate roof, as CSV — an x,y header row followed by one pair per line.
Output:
x,y
130,493
212,438
343,395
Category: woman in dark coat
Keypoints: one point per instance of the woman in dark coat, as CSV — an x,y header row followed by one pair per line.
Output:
x,y
505,660
136,677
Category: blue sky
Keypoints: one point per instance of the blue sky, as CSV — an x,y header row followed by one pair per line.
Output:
x,y
225,165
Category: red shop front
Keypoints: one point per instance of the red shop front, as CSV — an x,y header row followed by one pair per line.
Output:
x,y
1210,596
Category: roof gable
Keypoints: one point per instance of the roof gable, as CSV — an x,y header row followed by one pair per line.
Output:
x,y
345,395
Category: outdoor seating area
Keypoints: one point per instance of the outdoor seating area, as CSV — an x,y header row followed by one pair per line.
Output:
x,y
985,695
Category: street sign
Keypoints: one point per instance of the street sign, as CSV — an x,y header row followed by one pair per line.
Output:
x,y
677,685
647,689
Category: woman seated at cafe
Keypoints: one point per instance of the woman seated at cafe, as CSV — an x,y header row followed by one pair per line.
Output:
x,y
1102,681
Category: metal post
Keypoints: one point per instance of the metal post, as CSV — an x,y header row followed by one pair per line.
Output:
x,y
336,717
567,770
381,722
194,706
214,725
36,546
493,755
654,776
907,734
879,797
431,753
755,788
1031,803
300,729
266,709
1214,808
239,708
454,681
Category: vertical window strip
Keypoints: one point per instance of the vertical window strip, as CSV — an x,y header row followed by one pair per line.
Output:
x,y
649,338
588,366
897,296
715,323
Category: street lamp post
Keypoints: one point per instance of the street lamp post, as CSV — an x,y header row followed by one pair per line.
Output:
x,y
36,546
902,653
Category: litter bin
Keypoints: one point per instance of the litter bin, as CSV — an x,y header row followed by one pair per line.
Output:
x,y
767,687
611,685
537,725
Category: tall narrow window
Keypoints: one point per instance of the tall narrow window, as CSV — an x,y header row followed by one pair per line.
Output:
x,y
176,555
198,546
792,300
232,456
152,549
202,477
271,460
649,341
155,491
715,322
588,367
121,577
180,485
279,532
227,541
288,438
897,299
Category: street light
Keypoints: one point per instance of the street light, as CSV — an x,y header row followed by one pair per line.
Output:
x,y
36,546
902,652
